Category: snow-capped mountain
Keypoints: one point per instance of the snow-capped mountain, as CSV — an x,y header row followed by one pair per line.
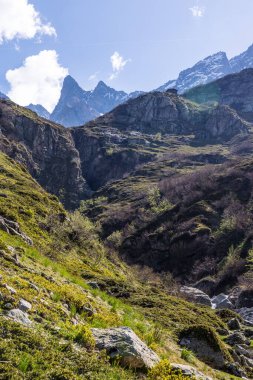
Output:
x,y
209,69
77,106
40,110
242,61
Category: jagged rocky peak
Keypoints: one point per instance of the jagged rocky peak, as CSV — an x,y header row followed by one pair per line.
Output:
x,y
210,68
71,88
73,108
242,61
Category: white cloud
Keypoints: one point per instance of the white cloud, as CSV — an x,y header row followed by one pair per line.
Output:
x,y
93,77
38,80
118,64
19,19
197,11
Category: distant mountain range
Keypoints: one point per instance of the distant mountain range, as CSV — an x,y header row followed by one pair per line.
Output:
x,y
209,69
40,110
77,106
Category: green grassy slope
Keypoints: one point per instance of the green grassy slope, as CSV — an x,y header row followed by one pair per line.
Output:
x,y
53,274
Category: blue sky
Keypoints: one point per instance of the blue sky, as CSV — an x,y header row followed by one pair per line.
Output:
x,y
130,44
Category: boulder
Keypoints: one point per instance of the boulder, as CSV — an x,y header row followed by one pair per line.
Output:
x,y
11,290
234,324
205,343
190,371
122,343
207,285
245,299
235,338
24,305
247,315
222,302
19,316
93,284
195,295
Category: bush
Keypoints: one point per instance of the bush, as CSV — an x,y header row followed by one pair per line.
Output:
x,y
164,371
187,355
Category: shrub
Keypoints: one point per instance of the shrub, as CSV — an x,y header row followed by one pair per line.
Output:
x,y
187,355
164,371
115,239
84,337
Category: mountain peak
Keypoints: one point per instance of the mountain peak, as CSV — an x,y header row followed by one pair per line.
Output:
x,y
101,84
70,84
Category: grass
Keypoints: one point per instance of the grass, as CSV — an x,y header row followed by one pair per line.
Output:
x,y
54,272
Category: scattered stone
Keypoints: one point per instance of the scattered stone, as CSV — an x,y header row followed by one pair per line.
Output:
x,y
236,338
245,299
234,369
190,371
124,344
244,350
24,305
93,284
19,316
33,286
11,290
195,295
222,331
234,324
203,342
222,302
13,228
248,333
247,315
207,285
8,306
88,311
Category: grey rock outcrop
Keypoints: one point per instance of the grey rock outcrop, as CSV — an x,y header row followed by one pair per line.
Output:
x,y
189,371
222,301
168,113
24,305
195,295
247,315
19,316
245,299
13,228
46,149
123,343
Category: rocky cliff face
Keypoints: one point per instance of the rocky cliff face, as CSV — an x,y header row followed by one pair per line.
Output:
x,y
235,90
46,149
106,156
168,113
